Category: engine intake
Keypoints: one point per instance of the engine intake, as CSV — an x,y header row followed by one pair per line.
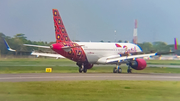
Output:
x,y
138,64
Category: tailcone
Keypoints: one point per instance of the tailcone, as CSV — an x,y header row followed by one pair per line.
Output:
x,y
56,46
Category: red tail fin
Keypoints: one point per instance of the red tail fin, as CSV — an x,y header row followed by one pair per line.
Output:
x,y
175,44
61,34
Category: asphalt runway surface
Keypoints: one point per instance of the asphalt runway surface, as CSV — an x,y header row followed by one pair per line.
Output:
x,y
87,76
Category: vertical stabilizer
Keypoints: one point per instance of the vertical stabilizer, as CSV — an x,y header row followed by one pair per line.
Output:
x,y
135,33
175,44
60,31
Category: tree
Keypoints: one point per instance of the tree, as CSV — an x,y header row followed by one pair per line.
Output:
x,y
126,41
22,37
120,41
2,35
147,46
101,41
161,46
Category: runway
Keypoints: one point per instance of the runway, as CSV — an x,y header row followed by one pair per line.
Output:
x,y
89,76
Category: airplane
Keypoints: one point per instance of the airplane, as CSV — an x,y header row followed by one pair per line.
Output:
x,y
57,56
86,54
7,46
176,51
175,55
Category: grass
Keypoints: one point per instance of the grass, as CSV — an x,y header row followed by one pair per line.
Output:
x,y
90,91
53,61
74,69
164,62
35,61
38,65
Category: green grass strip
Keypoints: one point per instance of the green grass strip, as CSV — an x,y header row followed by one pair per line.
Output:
x,y
90,91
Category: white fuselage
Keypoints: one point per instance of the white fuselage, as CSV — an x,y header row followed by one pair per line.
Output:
x,y
96,50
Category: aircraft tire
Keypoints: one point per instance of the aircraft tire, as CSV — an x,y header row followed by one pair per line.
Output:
x,y
115,70
85,70
129,70
80,71
119,70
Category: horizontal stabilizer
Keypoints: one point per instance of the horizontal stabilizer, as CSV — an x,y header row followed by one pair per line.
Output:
x,y
57,56
68,48
71,47
36,46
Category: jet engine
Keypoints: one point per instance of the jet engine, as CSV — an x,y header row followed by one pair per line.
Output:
x,y
138,64
88,65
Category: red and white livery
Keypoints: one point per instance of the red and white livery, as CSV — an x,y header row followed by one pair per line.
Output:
x,y
86,54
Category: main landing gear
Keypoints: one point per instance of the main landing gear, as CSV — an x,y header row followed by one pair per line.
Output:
x,y
81,68
129,70
118,69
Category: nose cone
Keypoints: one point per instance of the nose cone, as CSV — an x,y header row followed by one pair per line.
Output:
x,y
56,46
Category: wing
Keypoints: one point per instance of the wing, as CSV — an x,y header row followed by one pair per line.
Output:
x,y
108,60
122,57
7,46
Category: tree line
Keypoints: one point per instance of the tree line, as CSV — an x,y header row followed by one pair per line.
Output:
x,y
16,42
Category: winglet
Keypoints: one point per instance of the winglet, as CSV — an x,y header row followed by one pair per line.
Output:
x,y
7,46
175,44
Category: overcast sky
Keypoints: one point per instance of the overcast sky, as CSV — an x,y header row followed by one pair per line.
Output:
x,y
93,20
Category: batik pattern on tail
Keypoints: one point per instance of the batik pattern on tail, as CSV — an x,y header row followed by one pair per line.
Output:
x,y
60,31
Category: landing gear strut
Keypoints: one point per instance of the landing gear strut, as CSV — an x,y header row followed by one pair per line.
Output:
x,y
117,69
81,68
129,70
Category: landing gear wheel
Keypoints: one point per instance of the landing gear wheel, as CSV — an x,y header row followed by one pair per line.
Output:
x,y
129,70
119,70
80,70
115,70
85,70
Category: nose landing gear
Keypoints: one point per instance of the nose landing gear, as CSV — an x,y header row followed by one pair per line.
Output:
x,y
81,68
117,69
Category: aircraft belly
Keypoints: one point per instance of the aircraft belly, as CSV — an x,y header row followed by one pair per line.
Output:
x,y
92,58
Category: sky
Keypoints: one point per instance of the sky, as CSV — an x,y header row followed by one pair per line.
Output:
x,y
93,20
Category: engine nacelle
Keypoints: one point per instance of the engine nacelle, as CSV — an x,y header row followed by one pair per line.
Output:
x,y
138,64
88,65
